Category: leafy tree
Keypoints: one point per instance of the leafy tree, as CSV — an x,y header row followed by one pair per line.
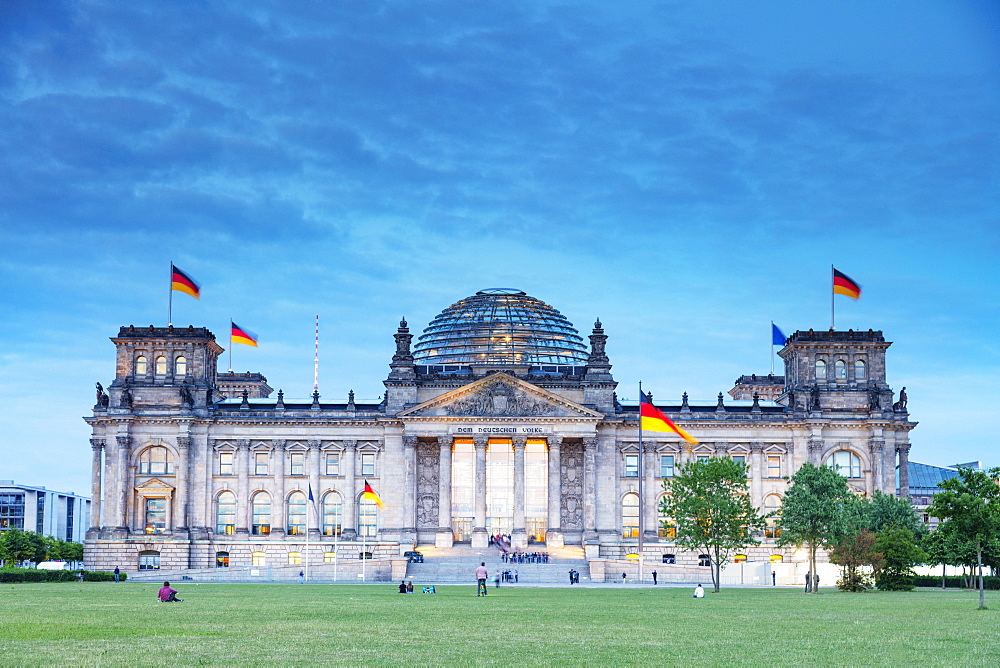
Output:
x,y
886,510
57,549
971,501
711,510
854,554
900,554
17,545
813,513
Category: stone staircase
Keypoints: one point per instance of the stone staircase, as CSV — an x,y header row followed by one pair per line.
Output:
x,y
456,565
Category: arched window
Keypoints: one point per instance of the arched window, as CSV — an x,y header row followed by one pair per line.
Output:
x,y
222,560
860,370
156,460
840,369
258,559
630,515
772,512
333,508
225,513
141,365
845,463
294,558
260,514
149,560
296,524
665,524
180,366
161,365
820,370
367,517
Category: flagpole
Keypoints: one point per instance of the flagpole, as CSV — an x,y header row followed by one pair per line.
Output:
x,y
364,542
772,347
641,522
313,504
230,345
833,315
170,296
336,530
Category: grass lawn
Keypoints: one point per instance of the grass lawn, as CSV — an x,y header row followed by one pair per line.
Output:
x,y
108,624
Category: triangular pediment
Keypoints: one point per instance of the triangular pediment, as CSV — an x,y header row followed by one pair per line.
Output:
x,y
500,395
154,485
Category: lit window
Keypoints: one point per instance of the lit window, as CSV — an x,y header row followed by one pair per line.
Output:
x,y
294,558
840,369
860,370
845,463
156,515
226,463
222,560
296,514
156,461
772,508
630,515
260,514
368,463
333,463
631,466
333,507
773,466
149,560
225,513
666,466
666,528
260,463
141,366
820,370
367,518
329,557
180,366
161,365
298,463
258,559
669,559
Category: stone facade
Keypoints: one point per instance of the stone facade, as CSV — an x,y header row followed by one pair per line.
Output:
x,y
184,479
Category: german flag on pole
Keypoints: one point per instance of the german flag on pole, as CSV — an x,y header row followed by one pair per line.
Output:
x,y
370,494
241,335
652,419
844,285
181,282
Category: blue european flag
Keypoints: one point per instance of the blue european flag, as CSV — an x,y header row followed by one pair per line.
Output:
x,y
777,338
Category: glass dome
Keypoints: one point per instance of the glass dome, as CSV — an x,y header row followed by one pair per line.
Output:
x,y
500,326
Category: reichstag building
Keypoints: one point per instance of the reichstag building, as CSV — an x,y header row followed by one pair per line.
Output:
x,y
499,419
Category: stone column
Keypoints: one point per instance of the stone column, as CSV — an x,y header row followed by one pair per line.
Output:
x,y
444,536
314,518
519,538
121,483
757,473
553,534
815,451
875,448
409,528
607,488
182,522
349,527
650,491
278,493
109,485
242,464
904,470
590,488
479,536
97,449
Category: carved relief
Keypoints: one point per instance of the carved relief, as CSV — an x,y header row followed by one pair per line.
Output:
x,y
428,470
499,399
571,476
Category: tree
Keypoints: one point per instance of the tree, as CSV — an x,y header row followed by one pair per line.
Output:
x,y
854,553
57,549
971,501
17,545
708,504
886,510
899,554
813,513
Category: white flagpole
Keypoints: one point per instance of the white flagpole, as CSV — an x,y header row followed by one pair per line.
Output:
x,y
336,530
170,298
641,523
772,347
364,542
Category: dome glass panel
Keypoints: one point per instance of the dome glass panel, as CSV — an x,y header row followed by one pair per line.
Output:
x,y
500,326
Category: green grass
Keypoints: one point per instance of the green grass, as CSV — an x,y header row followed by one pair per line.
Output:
x,y
108,624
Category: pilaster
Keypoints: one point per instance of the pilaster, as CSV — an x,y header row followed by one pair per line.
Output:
x,y
479,538
519,538
444,536
350,514
97,451
553,534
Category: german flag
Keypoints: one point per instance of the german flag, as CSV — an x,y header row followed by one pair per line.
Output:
x,y
370,494
181,282
652,419
241,335
844,285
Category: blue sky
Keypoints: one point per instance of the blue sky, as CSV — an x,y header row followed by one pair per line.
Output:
x,y
687,172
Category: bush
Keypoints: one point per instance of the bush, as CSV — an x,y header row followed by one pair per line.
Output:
x,y
20,575
989,581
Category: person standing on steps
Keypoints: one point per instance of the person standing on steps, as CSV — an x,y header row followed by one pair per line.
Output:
x,y
481,576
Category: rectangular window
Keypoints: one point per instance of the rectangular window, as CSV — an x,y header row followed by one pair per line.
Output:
x,y
367,463
702,458
225,463
11,511
773,467
156,516
333,463
631,466
666,466
298,463
260,463
739,459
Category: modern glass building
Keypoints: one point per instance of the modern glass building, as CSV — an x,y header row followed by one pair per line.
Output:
x,y
44,511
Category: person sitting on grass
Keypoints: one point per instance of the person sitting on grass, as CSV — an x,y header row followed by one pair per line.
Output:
x,y
402,586
168,595
699,592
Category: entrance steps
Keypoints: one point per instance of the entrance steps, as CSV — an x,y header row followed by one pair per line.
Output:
x,y
457,565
